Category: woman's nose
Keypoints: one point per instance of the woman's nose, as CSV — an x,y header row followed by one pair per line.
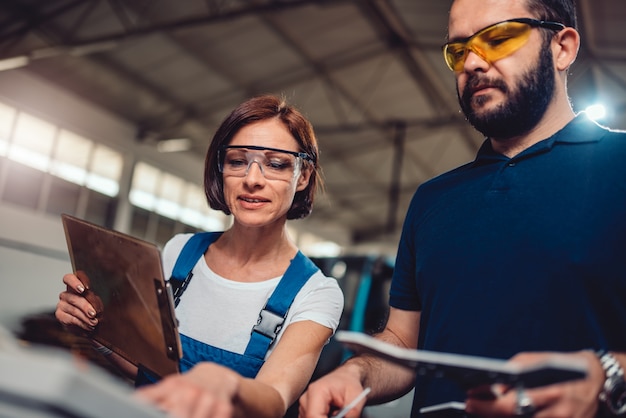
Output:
x,y
252,172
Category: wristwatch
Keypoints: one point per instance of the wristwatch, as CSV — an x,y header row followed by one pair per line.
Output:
x,y
613,393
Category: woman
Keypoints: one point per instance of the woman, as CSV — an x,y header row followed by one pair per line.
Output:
x,y
262,168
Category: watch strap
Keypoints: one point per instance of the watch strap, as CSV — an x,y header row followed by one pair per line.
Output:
x,y
612,396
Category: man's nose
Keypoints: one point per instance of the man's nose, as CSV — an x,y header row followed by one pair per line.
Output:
x,y
474,61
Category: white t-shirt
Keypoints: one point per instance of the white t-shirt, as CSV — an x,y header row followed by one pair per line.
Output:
x,y
222,312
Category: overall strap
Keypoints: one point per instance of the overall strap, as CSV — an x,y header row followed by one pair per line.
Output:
x,y
272,316
193,249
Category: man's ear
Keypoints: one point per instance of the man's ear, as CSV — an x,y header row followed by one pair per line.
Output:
x,y
303,179
566,48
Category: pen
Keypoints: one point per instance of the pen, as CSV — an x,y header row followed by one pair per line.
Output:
x,y
352,404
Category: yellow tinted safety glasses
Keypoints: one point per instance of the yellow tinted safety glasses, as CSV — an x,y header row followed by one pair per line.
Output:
x,y
495,41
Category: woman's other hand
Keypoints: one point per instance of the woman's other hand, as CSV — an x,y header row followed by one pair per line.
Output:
x,y
208,390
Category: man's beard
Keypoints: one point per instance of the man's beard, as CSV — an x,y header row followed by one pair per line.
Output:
x,y
525,106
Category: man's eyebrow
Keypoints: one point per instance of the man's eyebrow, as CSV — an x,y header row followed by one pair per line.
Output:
x,y
457,39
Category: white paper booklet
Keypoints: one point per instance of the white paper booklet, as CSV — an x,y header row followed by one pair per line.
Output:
x,y
468,371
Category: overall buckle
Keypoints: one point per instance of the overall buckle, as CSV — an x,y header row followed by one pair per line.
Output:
x,y
268,324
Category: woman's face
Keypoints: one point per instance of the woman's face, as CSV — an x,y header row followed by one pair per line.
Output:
x,y
254,199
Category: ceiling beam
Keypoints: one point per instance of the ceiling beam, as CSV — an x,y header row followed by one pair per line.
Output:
x,y
140,31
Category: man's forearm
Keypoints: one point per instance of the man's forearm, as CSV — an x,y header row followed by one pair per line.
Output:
x,y
387,381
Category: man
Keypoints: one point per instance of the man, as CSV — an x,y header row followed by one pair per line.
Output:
x,y
522,250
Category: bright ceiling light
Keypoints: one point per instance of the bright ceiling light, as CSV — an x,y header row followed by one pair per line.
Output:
x,y
596,111
12,63
174,145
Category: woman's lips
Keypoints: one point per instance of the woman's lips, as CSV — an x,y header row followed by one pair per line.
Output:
x,y
252,201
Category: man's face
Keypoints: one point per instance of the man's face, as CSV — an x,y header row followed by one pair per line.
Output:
x,y
525,100
507,97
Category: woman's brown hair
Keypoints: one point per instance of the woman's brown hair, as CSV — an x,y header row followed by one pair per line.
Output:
x,y
255,110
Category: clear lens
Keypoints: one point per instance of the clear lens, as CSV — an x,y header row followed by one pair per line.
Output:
x,y
491,44
274,164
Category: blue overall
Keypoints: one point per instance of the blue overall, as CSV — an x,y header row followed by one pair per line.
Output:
x,y
263,334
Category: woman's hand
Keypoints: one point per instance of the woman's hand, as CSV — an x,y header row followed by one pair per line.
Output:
x,y
78,305
208,390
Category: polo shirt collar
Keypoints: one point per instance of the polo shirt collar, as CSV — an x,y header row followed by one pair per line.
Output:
x,y
579,130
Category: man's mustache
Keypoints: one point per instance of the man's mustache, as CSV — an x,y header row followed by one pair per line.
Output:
x,y
477,82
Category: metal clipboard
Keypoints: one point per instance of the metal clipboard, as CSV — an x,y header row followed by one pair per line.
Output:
x,y
124,280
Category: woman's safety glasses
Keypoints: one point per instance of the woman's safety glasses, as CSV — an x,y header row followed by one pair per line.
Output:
x,y
275,164
494,42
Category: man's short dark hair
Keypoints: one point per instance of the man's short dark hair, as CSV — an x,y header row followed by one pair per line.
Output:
x,y
562,11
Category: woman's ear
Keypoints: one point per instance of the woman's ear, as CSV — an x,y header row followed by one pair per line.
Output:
x,y
566,49
304,178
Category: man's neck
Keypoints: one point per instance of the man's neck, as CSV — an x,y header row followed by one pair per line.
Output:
x,y
551,123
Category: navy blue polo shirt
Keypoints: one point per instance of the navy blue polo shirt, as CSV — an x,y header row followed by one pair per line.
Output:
x,y
504,255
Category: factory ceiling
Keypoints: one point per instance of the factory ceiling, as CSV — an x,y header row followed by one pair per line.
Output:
x,y
369,74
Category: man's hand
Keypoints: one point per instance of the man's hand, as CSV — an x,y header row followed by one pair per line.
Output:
x,y
576,399
330,393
